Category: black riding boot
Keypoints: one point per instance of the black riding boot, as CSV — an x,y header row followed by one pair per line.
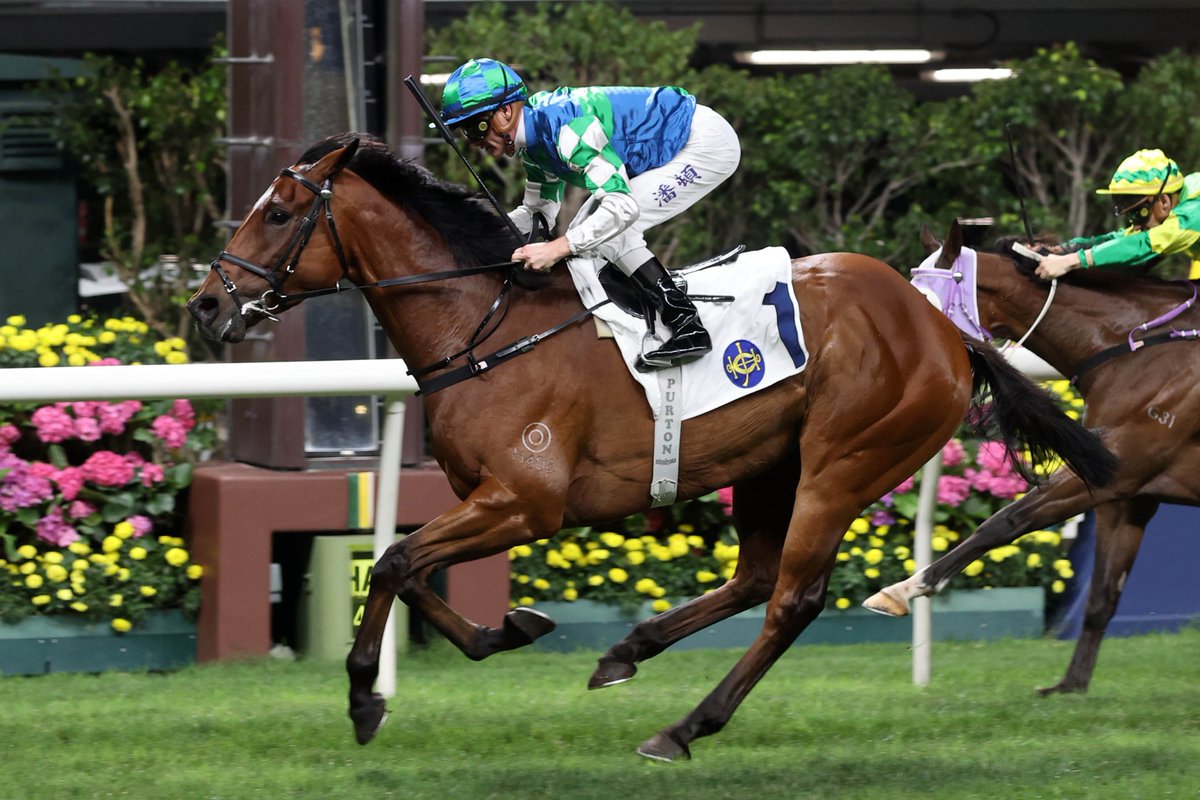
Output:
x,y
689,340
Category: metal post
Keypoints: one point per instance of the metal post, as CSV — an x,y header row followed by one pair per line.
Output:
x,y
385,526
922,626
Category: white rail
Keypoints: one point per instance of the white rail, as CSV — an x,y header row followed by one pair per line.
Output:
x,y
385,377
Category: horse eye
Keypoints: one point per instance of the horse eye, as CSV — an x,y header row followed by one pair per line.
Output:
x,y
278,217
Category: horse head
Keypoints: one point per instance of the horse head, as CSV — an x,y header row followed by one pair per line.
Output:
x,y
257,275
948,278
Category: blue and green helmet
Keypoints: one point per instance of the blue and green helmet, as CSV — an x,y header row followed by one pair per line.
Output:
x,y
479,85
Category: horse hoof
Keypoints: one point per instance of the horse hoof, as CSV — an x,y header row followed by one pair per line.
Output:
x,y
610,673
661,747
883,603
527,625
368,719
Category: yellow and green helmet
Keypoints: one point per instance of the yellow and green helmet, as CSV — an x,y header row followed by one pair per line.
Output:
x,y
479,85
1146,173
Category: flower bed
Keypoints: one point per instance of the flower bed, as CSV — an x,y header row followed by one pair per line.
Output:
x,y
88,490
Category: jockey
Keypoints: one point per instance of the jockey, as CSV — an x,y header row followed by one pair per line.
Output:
x,y
1161,209
644,153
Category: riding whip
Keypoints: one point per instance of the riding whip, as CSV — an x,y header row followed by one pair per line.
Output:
x,y
1012,157
430,112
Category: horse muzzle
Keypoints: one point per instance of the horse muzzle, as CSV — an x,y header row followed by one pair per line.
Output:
x,y
218,317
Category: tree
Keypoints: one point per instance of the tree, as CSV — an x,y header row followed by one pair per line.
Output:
x,y
147,143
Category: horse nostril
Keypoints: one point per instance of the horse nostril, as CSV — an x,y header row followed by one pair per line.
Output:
x,y
204,308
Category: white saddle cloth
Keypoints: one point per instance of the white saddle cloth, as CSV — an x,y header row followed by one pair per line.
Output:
x,y
757,339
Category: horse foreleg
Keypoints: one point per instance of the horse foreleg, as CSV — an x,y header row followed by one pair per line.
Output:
x,y
1119,529
490,521
761,510
1058,500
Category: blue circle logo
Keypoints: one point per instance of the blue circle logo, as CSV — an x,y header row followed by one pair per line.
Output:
x,y
744,365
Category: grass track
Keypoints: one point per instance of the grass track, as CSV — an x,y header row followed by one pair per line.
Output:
x,y
828,722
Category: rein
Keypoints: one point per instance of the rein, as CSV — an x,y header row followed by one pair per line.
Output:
x,y
275,300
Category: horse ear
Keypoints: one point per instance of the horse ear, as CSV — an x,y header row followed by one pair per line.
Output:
x,y
952,247
928,240
347,155
334,162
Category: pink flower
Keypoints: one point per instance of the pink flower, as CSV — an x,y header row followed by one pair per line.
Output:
x,y
952,490
106,468
141,525
22,486
113,416
151,474
952,453
84,408
182,410
906,485
170,430
87,429
80,509
70,481
725,497
9,434
53,423
1007,486
882,518
993,457
105,362
53,529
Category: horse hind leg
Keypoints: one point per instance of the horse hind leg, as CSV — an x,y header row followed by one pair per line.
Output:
x,y
1119,530
761,510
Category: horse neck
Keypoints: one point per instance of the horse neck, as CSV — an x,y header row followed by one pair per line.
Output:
x,y
1076,326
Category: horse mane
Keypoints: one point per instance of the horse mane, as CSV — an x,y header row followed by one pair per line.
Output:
x,y
472,230
1091,278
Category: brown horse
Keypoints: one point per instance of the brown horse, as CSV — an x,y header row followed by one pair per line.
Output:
x,y
1144,401
888,380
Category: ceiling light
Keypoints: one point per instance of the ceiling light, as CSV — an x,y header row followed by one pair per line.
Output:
x,y
781,57
967,75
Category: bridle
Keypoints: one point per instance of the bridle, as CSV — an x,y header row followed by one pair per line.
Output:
x,y
274,299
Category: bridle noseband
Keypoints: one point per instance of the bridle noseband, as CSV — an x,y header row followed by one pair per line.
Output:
x,y
273,299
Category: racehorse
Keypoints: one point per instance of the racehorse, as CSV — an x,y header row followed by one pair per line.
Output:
x,y
887,382
1139,391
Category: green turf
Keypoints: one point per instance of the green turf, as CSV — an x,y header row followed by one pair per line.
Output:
x,y
827,722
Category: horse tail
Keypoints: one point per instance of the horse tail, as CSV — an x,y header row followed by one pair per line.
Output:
x,y
1025,417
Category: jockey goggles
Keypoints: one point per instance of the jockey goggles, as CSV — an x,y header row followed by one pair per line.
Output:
x,y
476,128
1137,213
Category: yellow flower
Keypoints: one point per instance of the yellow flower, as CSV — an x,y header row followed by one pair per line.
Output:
x,y
677,544
106,337
974,568
80,607
40,600
65,594
176,357
860,525
26,551
612,540
686,528
595,580
122,573
850,536
80,565
147,591
525,601
1058,587
137,553
541,584
116,600
79,548
660,606
555,559
123,529
28,568
571,551
1033,560
56,572
843,556
842,602
194,571
111,544
121,625
645,585
16,320
695,541
34,581
570,595
618,575
521,551
873,556
657,591
871,572
634,545
635,557
176,556
901,552
597,555
521,579
939,544
52,557
660,552
704,576
50,359
910,566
